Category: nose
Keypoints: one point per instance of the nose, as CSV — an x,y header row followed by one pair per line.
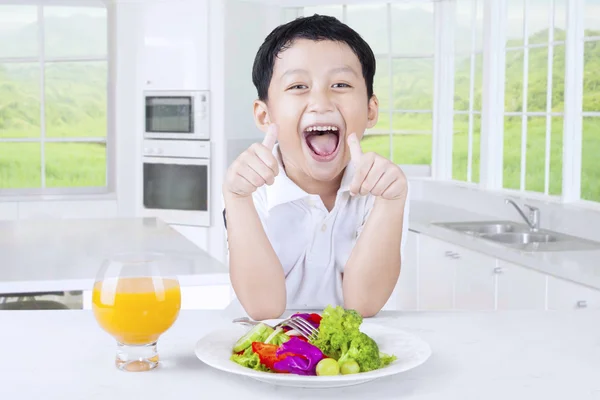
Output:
x,y
320,101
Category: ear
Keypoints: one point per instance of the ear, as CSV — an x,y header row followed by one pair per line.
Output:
x,y
373,113
261,115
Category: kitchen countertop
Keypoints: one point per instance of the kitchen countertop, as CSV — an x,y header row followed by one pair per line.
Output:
x,y
66,254
577,266
476,355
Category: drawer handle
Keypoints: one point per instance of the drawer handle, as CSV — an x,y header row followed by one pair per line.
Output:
x,y
582,304
448,253
455,256
498,270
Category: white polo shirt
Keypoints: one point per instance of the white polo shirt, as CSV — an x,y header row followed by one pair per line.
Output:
x,y
313,244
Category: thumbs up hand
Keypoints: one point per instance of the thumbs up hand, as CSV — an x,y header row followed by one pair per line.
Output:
x,y
375,174
253,168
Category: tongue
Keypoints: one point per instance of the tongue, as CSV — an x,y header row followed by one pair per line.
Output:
x,y
323,144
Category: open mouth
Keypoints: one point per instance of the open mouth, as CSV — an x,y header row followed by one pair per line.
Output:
x,y
322,141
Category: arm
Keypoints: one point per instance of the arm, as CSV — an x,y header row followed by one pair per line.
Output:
x,y
373,268
255,271
374,265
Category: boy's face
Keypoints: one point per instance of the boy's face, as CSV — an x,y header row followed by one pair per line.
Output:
x,y
317,97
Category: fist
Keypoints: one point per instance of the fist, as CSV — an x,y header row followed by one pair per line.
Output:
x,y
253,168
375,174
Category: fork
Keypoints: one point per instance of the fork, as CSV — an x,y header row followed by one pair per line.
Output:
x,y
298,324
301,326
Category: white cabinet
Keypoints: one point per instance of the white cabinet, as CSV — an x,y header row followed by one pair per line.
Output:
x,y
406,294
565,295
452,277
214,297
436,274
520,288
175,51
475,280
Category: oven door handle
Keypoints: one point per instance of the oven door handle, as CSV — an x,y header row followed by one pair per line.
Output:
x,y
176,160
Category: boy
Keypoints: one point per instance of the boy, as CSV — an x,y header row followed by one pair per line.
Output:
x,y
311,220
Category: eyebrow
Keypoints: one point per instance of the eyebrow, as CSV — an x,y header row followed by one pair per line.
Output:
x,y
333,71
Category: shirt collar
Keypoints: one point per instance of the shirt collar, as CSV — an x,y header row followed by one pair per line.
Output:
x,y
284,190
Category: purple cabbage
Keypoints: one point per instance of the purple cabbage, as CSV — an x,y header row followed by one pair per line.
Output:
x,y
306,317
305,358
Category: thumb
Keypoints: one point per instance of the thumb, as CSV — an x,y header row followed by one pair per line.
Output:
x,y
355,149
271,136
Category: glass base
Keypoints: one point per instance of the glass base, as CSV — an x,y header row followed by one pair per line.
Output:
x,y
136,358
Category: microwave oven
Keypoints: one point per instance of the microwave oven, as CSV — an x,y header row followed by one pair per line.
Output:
x,y
177,114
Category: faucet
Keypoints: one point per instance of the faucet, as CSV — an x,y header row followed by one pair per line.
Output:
x,y
534,215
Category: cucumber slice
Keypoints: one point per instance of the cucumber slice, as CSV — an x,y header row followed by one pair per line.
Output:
x,y
259,333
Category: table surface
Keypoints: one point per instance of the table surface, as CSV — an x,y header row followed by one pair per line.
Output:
x,y
66,254
476,355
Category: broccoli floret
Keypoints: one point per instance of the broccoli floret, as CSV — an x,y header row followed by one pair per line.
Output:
x,y
337,329
386,359
364,351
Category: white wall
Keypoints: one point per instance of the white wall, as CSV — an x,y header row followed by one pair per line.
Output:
x,y
128,40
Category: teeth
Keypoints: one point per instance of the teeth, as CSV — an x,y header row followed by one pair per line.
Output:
x,y
321,128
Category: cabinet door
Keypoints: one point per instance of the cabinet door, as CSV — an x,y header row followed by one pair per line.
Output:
x,y
475,280
212,297
435,274
406,289
175,55
520,288
565,295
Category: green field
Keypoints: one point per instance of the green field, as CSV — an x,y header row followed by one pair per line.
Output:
x,y
416,149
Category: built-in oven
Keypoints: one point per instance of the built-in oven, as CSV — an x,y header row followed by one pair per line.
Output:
x,y
177,115
176,181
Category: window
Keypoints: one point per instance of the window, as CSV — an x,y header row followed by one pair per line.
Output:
x,y
534,91
538,150
404,80
590,171
468,86
53,99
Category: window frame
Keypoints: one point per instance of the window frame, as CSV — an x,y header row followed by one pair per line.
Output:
x,y
41,60
389,56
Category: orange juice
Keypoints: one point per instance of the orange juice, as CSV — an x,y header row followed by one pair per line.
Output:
x,y
136,310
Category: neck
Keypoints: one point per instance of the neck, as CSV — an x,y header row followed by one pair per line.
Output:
x,y
325,189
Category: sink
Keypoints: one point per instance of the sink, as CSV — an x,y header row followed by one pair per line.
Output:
x,y
520,236
480,228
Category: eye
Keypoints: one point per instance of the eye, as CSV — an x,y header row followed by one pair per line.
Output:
x,y
341,85
298,86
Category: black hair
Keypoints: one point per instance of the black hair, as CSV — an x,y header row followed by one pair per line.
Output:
x,y
316,27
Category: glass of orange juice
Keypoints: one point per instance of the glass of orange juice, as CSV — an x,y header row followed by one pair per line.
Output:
x,y
136,300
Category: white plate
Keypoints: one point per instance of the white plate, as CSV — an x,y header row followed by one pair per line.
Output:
x,y
214,349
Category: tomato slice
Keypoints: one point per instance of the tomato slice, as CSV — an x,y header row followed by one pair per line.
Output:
x,y
267,355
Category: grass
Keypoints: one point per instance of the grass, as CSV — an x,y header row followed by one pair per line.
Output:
x,y
67,165
416,149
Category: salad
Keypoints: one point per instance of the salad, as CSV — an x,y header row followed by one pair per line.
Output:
x,y
338,348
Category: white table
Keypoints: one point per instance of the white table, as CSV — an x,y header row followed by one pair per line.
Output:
x,y
495,355
66,254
